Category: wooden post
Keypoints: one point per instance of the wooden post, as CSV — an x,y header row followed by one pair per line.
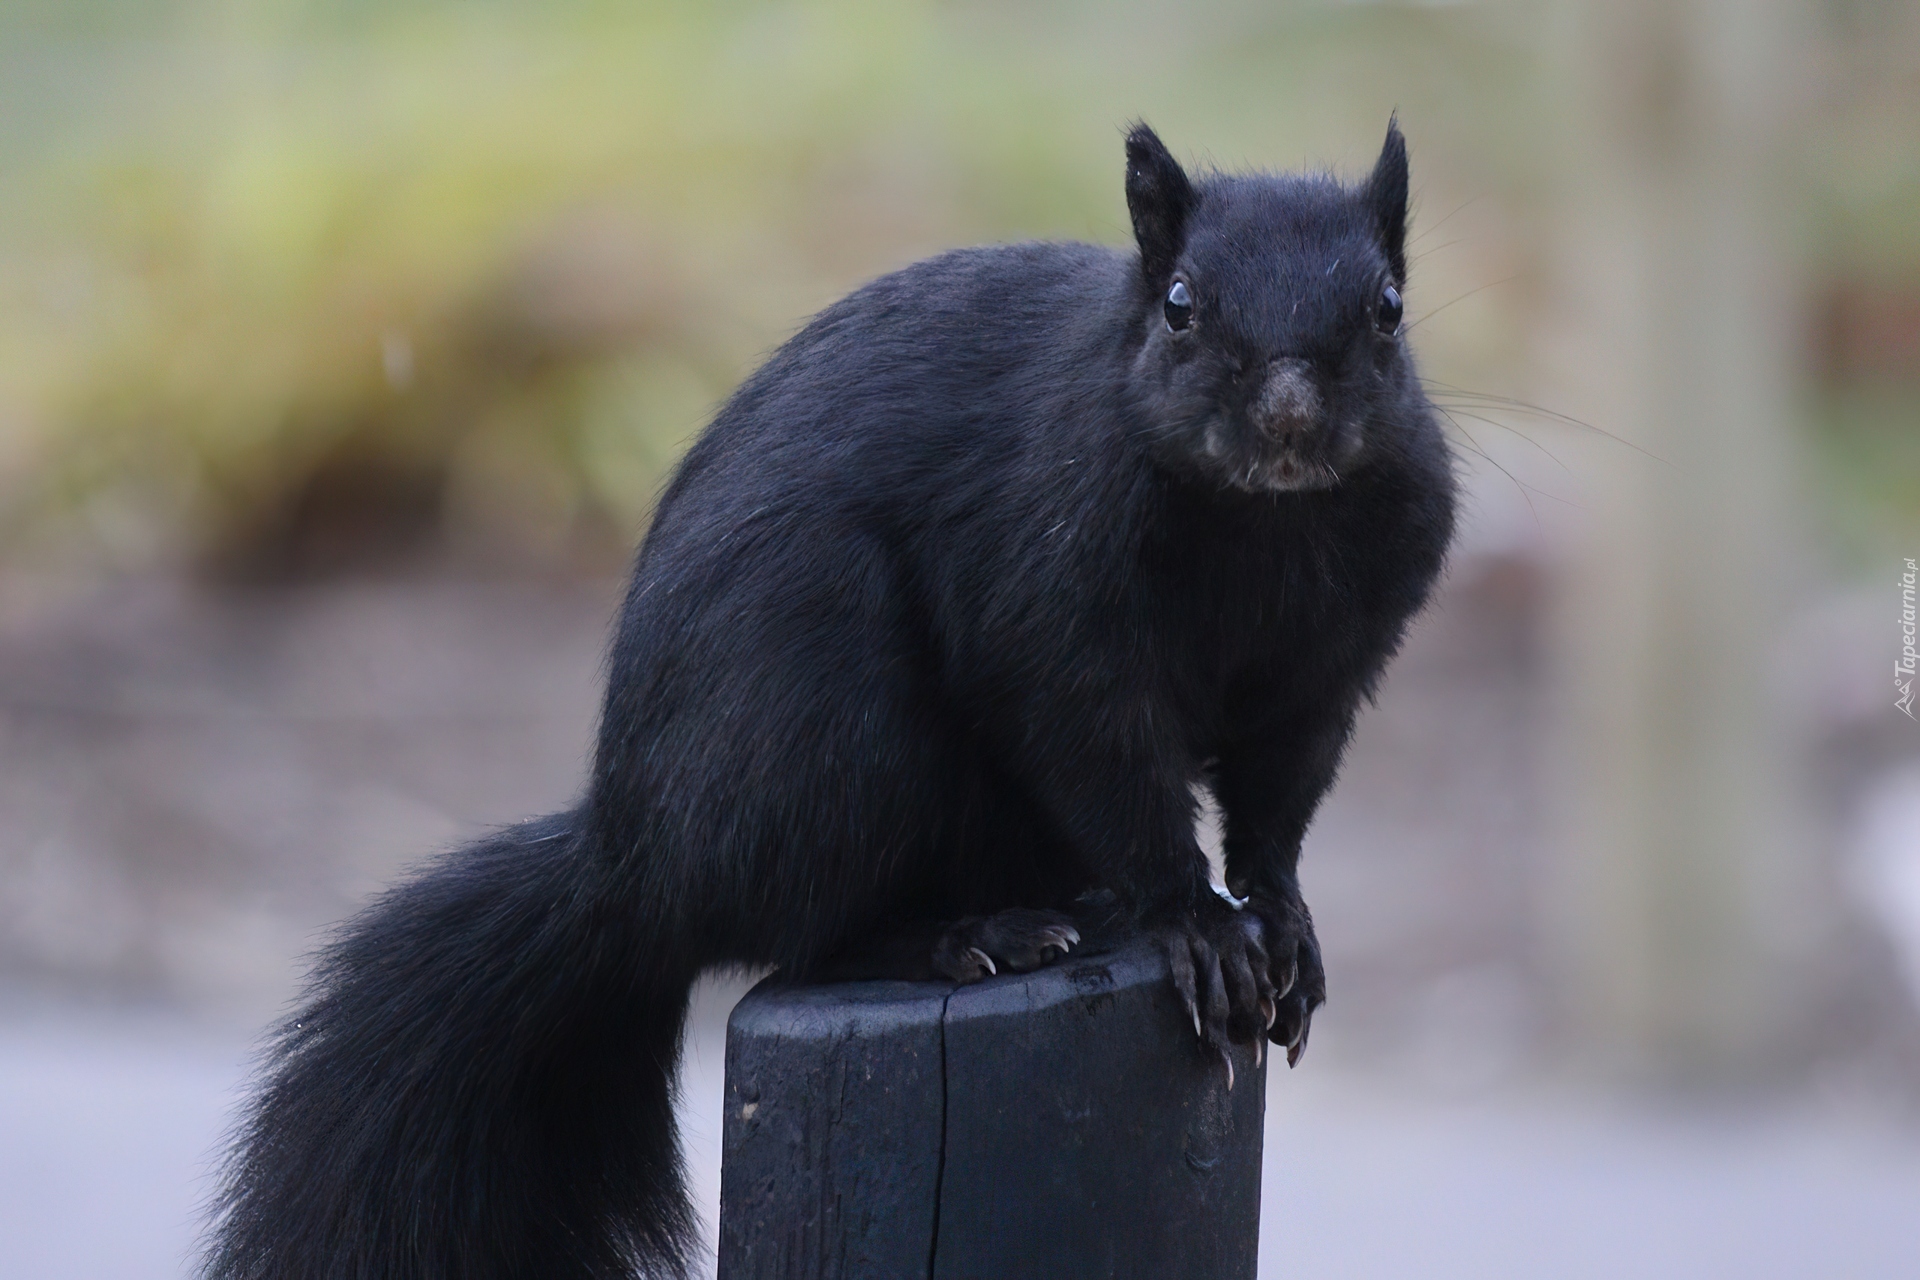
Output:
x,y
1061,1123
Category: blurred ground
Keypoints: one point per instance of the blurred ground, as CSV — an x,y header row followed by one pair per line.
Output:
x,y
196,782
107,1121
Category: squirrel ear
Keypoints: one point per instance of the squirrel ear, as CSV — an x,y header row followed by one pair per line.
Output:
x,y
1159,197
1386,198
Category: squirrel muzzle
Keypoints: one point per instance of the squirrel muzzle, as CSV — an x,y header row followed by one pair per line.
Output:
x,y
1289,411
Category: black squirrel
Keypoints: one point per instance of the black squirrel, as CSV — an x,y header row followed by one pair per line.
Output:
x,y
936,629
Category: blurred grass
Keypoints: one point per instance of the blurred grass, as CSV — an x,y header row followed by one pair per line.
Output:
x,y
290,285
1867,456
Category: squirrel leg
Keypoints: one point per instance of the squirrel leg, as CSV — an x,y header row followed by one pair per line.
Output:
x,y
1268,790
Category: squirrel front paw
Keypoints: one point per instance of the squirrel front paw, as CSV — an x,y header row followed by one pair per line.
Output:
x,y
1220,966
1295,974
1247,976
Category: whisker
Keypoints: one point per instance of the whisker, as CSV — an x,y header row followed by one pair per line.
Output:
x,y
1436,226
1526,490
1414,324
1439,248
1489,400
1511,430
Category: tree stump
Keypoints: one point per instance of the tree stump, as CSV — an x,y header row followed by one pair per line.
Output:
x,y
1056,1124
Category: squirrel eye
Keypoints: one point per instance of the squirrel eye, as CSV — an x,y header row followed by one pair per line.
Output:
x,y
1386,316
1179,306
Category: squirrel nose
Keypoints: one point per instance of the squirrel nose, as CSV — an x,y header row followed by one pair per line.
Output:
x,y
1289,405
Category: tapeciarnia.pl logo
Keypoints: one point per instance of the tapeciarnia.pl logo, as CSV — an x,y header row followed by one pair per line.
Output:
x,y
1903,667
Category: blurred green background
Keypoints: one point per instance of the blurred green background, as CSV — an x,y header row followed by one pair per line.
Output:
x,y
289,287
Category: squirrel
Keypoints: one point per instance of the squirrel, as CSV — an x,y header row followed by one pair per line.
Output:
x,y
937,627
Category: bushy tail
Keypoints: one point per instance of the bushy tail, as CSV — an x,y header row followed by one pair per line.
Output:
x,y
478,1087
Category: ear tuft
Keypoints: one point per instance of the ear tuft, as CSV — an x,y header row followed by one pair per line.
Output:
x,y
1386,198
1159,198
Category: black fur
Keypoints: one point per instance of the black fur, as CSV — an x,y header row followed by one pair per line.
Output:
x,y
1159,197
1386,194
947,613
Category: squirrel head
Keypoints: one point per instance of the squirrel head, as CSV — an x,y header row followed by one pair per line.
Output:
x,y
1272,351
